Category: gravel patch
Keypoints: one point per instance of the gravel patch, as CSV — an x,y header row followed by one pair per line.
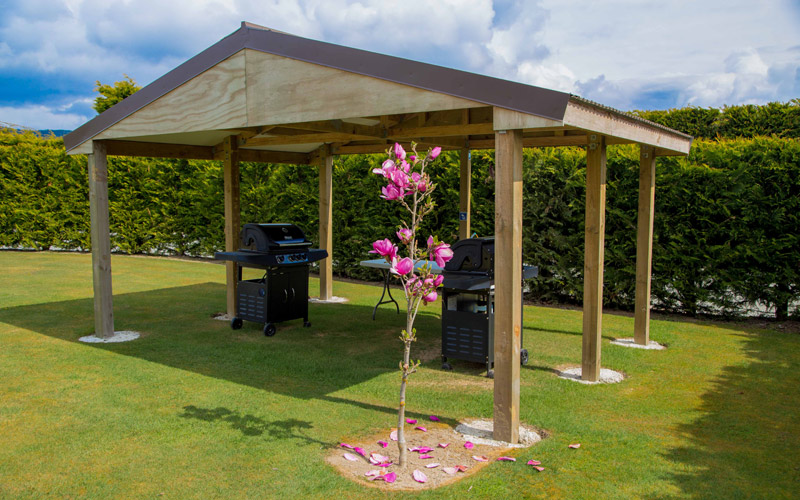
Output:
x,y
606,376
481,432
629,342
121,336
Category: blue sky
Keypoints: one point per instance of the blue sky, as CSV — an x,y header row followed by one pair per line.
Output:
x,y
629,54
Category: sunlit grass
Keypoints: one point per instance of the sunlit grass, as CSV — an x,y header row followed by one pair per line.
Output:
x,y
194,409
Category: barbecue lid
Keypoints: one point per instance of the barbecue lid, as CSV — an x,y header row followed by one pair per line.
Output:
x,y
270,237
472,255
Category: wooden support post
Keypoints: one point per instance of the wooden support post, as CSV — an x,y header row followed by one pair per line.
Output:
x,y
508,279
465,194
101,241
593,256
325,223
232,216
644,244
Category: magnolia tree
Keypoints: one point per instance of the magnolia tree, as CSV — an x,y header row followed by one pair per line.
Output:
x,y
409,185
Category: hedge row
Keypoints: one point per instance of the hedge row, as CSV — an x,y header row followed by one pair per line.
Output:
x,y
748,120
727,230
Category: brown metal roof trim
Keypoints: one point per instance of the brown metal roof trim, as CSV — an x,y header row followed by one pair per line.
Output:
x,y
492,91
630,116
213,55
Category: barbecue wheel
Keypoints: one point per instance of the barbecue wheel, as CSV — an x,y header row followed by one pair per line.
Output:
x,y
447,366
306,324
269,329
523,357
490,374
236,323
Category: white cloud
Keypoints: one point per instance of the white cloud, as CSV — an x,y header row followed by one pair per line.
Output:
x,y
617,52
40,117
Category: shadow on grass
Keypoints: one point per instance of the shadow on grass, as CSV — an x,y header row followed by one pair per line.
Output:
x,y
745,444
250,425
342,348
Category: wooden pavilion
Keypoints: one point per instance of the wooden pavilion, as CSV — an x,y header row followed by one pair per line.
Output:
x,y
265,96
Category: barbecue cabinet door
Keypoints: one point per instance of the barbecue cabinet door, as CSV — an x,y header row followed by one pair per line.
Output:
x,y
288,294
277,296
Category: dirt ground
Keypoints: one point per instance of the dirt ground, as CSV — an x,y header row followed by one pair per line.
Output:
x,y
449,457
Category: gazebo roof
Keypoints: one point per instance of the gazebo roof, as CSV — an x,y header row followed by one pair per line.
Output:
x,y
284,96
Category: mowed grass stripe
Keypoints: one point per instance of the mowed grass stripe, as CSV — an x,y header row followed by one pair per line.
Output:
x,y
196,410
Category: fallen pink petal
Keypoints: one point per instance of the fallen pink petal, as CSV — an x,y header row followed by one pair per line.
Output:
x,y
383,444
345,445
372,473
434,418
431,466
540,469
444,445
421,428
481,458
378,458
385,464
468,445
425,457
393,435
506,459
575,446
534,462
461,468
419,476
390,477
411,421
350,456
360,451
414,448
450,470
423,449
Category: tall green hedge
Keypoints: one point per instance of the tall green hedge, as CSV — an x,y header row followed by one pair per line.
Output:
x,y
748,120
727,230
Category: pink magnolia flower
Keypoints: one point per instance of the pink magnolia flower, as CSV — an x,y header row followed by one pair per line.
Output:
x,y
391,192
403,266
399,152
441,254
405,235
434,152
386,168
400,179
384,248
430,296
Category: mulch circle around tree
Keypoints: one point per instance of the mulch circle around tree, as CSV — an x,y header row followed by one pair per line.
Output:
x,y
455,461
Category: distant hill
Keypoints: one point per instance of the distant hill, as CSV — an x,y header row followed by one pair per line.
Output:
x,y
57,133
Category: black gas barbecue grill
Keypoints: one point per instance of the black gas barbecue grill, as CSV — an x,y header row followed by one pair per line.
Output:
x,y
468,304
283,251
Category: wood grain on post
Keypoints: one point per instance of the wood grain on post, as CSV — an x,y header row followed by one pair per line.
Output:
x,y
101,241
593,257
465,193
644,244
325,224
232,216
508,279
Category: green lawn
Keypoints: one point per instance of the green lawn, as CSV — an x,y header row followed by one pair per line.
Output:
x,y
196,410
